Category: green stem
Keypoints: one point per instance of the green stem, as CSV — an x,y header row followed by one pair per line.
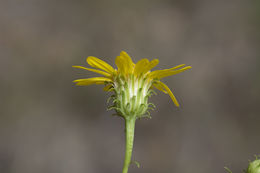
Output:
x,y
129,141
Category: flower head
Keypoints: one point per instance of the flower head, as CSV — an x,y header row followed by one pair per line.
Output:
x,y
131,83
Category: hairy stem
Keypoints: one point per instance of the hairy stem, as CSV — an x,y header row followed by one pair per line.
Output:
x,y
129,141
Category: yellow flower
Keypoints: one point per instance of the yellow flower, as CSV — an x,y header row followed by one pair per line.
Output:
x,y
132,83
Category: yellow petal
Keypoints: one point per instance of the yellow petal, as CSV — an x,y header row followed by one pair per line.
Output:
x,y
169,92
153,73
159,87
140,66
90,81
151,65
168,72
178,66
128,62
94,70
97,63
120,63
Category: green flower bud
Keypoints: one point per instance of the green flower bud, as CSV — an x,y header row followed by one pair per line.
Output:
x,y
254,167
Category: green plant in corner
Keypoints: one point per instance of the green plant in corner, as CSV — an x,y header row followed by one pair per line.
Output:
x,y
253,167
132,85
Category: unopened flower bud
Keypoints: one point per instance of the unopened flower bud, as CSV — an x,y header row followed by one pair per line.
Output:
x,y
254,167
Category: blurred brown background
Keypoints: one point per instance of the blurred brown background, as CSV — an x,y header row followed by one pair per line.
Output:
x,y
48,125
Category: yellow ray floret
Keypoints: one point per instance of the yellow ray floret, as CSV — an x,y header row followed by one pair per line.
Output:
x,y
124,64
159,74
140,66
90,81
94,70
143,66
129,63
167,90
151,65
97,63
